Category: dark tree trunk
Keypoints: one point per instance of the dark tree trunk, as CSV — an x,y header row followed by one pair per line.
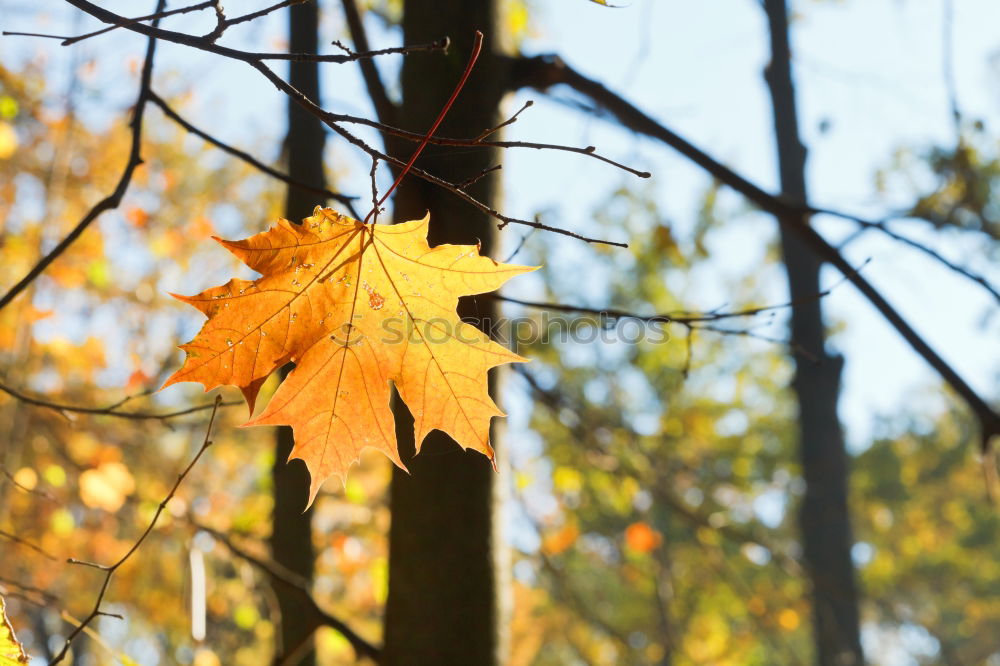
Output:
x,y
291,534
444,604
824,518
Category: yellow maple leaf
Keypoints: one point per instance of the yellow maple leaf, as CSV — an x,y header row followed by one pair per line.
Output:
x,y
354,306
11,651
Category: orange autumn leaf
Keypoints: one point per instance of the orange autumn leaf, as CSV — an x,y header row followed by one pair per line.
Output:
x,y
561,540
642,538
137,217
355,307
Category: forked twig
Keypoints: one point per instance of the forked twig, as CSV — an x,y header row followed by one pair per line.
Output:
x,y
109,570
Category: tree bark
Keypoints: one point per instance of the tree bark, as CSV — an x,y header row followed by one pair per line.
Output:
x,y
445,558
824,518
291,533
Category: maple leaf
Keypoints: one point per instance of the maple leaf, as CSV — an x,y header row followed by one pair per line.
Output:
x,y
11,651
354,306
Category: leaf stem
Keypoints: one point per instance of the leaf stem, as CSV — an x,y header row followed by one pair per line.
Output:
x,y
477,47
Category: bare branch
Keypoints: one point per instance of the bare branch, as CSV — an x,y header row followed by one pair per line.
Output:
x,y
27,544
47,596
209,45
343,199
257,62
111,569
25,489
510,121
310,106
112,410
542,72
181,10
284,576
883,227
472,180
683,317
66,41
481,142
385,110
263,12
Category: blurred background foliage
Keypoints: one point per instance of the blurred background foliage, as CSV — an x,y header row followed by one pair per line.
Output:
x,y
653,495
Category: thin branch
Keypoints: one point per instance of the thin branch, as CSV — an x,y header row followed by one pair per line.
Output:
x,y
13,33
481,142
66,41
343,199
472,180
385,110
257,62
47,596
113,200
181,10
27,544
882,227
111,569
24,488
280,574
262,12
510,121
311,107
948,64
477,45
520,245
682,317
205,44
111,410
542,72
376,208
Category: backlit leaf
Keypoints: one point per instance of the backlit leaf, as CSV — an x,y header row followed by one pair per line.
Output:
x,y
355,307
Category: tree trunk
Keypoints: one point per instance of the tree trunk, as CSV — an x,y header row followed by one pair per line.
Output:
x,y
824,518
291,533
445,560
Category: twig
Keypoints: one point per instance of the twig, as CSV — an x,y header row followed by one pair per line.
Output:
x,y
509,121
678,317
66,41
279,573
308,104
47,596
477,45
182,10
111,569
472,180
27,544
948,65
14,33
23,488
385,110
343,199
262,12
480,142
519,247
204,44
376,208
111,410
882,227
257,62
688,352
